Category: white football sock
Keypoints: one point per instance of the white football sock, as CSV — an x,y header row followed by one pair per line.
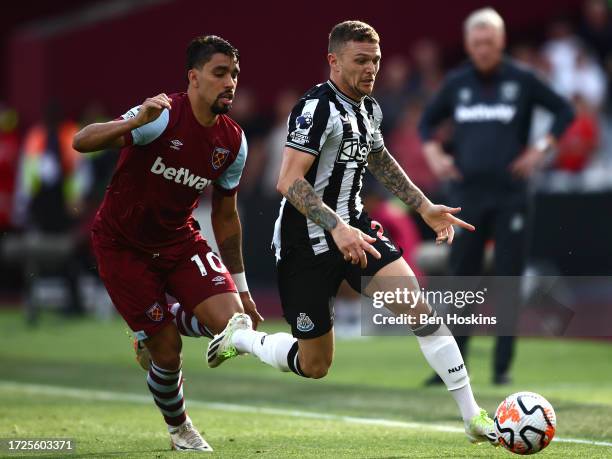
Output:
x,y
244,339
271,349
466,402
442,353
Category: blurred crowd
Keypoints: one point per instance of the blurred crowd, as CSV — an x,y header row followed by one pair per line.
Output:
x,y
48,188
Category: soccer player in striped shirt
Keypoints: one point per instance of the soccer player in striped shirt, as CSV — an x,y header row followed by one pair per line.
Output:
x,y
324,236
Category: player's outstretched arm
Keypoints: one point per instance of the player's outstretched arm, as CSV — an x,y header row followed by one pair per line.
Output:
x,y
100,136
350,241
388,172
228,234
440,218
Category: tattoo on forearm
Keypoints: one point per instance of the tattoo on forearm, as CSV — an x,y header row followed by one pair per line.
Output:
x,y
384,167
303,197
230,250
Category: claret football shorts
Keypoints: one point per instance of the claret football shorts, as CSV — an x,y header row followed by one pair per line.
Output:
x,y
138,281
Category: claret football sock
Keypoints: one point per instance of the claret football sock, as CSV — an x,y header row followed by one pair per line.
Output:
x,y
166,386
187,323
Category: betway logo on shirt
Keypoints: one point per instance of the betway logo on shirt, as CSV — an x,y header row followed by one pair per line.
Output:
x,y
182,176
482,112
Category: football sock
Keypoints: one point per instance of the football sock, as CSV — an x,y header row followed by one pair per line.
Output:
x,y
442,353
293,361
187,323
244,339
166,386
466,402
278,350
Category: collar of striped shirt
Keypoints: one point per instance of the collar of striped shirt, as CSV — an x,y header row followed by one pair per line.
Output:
x,y
342,95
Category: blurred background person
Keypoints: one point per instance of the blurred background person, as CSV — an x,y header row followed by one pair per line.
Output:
x,y
428,73
491,100
581,140
595,29
394,90
47,205
9,155
10,280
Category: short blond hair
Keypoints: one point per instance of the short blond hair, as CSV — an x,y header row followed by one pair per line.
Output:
x,y
484,17
351,31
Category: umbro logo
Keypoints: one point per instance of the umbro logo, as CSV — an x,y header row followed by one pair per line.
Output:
x,y
176,144
219,280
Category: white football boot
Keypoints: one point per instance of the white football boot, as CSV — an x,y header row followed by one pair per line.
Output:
x,y
220,348
186,438
481,428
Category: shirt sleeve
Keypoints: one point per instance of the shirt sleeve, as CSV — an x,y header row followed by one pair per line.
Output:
x,y
378,142
546,97
147,133
309,125
228,182
438,109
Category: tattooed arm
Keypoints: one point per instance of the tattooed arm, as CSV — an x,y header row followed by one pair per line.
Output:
x,y
302,195
351,242
388,172
440,218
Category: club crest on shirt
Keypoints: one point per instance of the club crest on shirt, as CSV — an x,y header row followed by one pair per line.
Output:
x,y
155,313
509,90
465,95
219,157
304,324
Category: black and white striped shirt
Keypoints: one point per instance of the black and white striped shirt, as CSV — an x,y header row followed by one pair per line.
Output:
x,y
340,133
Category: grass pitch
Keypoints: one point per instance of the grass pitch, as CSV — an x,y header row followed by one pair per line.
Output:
x,y
78,379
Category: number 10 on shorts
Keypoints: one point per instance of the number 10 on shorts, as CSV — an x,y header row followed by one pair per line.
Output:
x,y
213,261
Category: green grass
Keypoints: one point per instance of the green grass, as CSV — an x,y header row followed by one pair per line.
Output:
x,y
371,378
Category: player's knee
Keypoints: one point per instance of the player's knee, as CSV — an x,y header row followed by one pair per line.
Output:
x,y
168,361
316,371
430,326
317,368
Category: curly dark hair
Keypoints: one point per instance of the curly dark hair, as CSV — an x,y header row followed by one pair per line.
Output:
x,y
201,49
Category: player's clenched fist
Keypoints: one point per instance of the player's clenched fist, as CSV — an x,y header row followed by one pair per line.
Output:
x,y
354,244
151,108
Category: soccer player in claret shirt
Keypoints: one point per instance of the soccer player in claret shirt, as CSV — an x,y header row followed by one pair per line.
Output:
x,y
145,238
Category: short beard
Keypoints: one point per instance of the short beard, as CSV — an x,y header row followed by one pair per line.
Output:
x,y
219,109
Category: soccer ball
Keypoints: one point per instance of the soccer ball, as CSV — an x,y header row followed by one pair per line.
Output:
x,y
525,423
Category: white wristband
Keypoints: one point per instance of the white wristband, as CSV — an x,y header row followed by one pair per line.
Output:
x,y
240,281
543,145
